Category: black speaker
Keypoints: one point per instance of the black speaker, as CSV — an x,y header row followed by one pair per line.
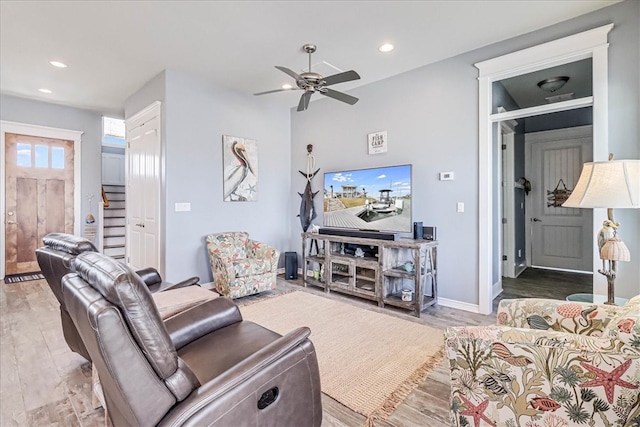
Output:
x,y
352,232
429,233
290,265
417,230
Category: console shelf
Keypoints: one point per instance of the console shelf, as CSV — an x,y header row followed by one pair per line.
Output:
x,y
377,273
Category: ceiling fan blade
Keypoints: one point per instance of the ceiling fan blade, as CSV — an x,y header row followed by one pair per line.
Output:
x,y
347,76
304,101
339,96
276,90
288,71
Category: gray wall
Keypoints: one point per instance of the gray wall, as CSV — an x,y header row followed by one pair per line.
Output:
x,y
431,115
23,110
195,116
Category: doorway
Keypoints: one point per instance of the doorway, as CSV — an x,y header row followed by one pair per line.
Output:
x,y
589,44
38,190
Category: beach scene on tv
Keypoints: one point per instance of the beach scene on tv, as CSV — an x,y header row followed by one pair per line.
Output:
x,y
369,199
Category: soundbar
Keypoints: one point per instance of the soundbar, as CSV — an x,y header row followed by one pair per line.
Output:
x,y
364,234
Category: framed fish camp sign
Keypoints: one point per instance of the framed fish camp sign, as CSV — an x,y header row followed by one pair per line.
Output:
x,y
240,169
377,142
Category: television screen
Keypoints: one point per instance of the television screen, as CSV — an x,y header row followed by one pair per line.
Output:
x,y
369,199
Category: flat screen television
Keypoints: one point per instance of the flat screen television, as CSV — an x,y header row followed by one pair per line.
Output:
x,y
376,199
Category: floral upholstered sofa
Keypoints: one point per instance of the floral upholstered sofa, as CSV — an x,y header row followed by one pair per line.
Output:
x,y
548,363
241,266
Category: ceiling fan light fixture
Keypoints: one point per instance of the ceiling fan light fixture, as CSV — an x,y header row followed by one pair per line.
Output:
x,y
552,84
43,90
287,86
387,47
311,82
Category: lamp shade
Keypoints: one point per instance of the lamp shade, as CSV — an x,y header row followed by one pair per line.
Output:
x,y
609,184
615,250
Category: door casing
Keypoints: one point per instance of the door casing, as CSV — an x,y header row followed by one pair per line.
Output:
x,y
44,132
588,44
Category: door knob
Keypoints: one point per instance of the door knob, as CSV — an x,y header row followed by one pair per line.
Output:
x,y
11,222
536,220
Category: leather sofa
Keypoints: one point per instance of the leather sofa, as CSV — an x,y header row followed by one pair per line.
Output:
x,y
204,366
55,260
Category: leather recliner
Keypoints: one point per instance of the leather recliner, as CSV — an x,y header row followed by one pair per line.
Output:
x,y
204,366
55,260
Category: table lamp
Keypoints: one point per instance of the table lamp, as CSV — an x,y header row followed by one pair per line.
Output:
x,y
610,184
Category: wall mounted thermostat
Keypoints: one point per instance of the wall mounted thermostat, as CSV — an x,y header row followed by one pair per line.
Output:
x,y
446,176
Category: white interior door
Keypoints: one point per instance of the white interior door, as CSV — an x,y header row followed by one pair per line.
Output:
x,y
143,191
560,238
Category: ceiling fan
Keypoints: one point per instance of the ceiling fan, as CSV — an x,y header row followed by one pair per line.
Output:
x,y
312,82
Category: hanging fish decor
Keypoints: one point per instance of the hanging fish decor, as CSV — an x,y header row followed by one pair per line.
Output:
x,y
557,196
307,208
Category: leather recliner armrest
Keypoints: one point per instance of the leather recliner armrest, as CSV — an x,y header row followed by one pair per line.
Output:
x,y
149,276
154,282
195,408
183,284
202,319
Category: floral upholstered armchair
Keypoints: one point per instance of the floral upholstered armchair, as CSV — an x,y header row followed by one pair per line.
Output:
x,y
548,363
241,266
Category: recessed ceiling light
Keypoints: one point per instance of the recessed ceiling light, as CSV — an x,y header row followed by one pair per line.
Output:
x,y
45,90
387,47
287,86
58,64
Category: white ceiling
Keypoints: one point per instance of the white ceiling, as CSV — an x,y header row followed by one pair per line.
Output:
x,y
113,47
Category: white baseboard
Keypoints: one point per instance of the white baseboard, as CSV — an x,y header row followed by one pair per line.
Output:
x,y
473,308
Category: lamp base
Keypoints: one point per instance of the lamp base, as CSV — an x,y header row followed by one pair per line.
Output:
x,y
611,278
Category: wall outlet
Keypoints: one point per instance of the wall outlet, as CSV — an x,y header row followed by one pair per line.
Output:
x,y
446,176
183,207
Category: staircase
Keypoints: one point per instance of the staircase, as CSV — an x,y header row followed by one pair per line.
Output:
x,y
114,222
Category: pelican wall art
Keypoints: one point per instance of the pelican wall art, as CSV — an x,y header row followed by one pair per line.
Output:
x,y
240,162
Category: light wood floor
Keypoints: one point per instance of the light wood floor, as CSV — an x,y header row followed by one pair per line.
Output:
x,y
42,383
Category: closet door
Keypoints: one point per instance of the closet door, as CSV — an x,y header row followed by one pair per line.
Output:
x,y
143,154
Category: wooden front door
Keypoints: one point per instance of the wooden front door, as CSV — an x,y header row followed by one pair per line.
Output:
x,y
39,196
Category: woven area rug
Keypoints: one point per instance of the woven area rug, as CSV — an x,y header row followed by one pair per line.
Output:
x,y
24,277
369,362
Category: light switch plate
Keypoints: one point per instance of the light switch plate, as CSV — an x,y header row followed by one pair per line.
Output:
x,y
183,207
460,207
446,176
